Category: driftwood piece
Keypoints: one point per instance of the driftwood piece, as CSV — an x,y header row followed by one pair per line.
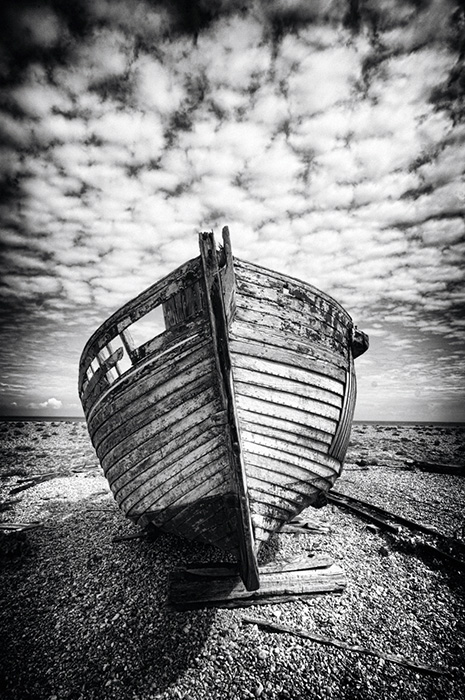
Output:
x,y
340,644
438,468
219,585
19,527
383,518
30,481
364,510
305,526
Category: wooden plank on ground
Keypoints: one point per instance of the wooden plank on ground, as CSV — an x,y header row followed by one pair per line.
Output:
x,y
340,644
189,589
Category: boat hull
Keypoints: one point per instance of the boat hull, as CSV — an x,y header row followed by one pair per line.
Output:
x,y
295,392
231,418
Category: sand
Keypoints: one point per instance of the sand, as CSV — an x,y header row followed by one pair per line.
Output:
x,y
85,617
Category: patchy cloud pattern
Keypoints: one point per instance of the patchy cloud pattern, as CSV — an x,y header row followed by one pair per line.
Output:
x,y
329,136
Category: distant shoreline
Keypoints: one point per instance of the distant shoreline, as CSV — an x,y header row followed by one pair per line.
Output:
x,y
48,419
80,419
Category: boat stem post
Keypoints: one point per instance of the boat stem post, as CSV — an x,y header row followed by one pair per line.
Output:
x,y
219,327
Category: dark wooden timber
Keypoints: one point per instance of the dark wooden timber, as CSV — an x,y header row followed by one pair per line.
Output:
x,y
340,644
443,548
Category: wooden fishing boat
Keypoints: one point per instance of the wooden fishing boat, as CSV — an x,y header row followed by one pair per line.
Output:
x,y
232,416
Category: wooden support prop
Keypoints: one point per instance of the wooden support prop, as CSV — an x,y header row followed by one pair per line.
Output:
x,y
338,643
220,586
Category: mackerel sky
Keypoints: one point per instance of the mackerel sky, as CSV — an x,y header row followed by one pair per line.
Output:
x,y
328,136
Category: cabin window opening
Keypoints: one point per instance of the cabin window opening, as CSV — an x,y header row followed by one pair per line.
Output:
x,y
94,365
148,327
89,373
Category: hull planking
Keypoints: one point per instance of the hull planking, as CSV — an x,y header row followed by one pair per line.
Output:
x,y
220,401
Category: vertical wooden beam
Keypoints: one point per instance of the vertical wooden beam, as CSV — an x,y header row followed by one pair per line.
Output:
x,y
228,277
129,344
248,567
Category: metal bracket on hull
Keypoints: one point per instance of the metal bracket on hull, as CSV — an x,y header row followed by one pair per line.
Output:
x,y
248,566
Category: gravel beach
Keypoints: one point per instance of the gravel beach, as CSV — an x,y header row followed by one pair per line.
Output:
x,y
84,617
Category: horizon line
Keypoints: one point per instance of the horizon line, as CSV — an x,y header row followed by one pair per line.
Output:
x,y
10,417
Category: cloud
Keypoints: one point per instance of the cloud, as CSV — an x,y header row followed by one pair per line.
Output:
x,y
52,403
326,135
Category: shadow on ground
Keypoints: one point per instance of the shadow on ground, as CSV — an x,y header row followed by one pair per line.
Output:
x,y
83,616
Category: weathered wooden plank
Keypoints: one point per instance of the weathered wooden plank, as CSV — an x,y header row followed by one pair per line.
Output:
x,y
215,486
168,445
253,273
184,304
286,413
253,441
317,338
289,386
215,570
293,316
331,362
214,519
266,525
190,423
140,413
159,466
95,387
264,496
192,346
189,591
281,430
219,519
286,467
285,400
228,277
304,359
280,510
139,399
293,306
153,397
178,410
291,372
165,489
265,484
437,467
340,644
162,476
266,425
